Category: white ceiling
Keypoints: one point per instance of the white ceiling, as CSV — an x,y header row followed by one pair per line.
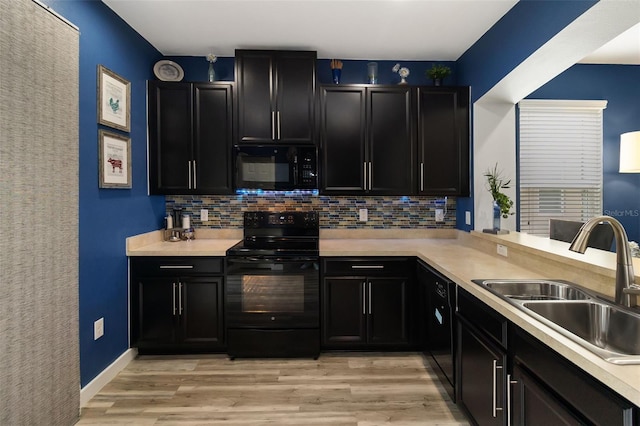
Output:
x,y
346,29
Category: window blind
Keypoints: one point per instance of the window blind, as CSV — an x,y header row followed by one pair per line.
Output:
x,y
560,162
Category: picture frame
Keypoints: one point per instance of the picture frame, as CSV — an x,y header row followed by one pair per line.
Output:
x,y
114,160
114,100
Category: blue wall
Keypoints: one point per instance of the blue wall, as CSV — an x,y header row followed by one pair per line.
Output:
x,y
620,86
520,32
108,216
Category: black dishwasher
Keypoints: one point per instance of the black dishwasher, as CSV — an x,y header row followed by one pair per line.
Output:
x,y
440,325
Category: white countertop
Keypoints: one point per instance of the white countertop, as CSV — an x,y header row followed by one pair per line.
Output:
x,y
461,257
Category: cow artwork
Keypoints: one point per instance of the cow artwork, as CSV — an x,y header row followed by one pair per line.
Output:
x,y
115,164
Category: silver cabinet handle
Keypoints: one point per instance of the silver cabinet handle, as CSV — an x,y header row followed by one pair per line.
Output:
x,y
174,299
176,266
364,174
180,299
370,186
494,394
421,176
508,404
278,127
370,310
189,174
273,124
195,182
367,266
364,298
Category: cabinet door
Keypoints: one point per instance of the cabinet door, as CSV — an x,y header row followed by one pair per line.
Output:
x,y
535,405
213,138
342,139
443,140
481,376
295,97
391,141
201,321
157,311
256,100
387,311
170,137
343,312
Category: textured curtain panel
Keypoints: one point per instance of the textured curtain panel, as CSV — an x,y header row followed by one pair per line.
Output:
x,y
39,359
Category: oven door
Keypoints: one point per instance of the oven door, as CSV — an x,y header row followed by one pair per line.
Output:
x,y
272,292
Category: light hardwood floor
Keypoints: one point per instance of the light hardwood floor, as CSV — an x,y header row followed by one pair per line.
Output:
x,y
362,389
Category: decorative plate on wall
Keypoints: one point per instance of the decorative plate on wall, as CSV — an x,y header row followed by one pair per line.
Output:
x,y
168,71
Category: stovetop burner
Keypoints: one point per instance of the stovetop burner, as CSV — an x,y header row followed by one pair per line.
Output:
x,y
278,234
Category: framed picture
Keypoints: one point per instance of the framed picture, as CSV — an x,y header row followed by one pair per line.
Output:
x,y
114,160
114,100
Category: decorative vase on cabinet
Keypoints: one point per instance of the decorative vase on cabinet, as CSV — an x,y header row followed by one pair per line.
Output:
x,y
211,73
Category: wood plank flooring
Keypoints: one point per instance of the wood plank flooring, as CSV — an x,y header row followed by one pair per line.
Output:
x,y
355,389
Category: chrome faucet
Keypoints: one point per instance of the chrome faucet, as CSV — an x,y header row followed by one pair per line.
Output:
x,y
626,290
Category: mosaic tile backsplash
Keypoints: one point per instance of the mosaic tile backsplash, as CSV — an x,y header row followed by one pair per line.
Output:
x,y
225,211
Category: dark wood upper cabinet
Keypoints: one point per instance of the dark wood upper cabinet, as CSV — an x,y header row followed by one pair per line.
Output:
x,y
443,140
342,139
170,136
190,137
213,127
367,140
275,96
391,137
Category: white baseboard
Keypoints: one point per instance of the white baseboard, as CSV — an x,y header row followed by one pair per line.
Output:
x,y
94,386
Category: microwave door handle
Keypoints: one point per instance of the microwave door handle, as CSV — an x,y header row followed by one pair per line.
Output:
x,y
278,121
273,125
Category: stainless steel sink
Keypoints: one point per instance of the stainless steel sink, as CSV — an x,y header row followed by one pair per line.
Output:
x,y
606,329
614,332
535,289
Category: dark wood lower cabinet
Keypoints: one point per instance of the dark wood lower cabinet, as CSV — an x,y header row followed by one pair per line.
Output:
x,y
344,313
361,312
508,377
179,313
176,313
532,404
370,307
481,390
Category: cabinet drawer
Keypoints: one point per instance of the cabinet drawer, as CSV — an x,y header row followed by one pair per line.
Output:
x,y
483,317
166,266
376,266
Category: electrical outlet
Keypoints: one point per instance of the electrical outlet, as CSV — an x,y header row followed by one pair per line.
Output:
x,y
439,215
363,215
98,329
502,250
204,215
467,217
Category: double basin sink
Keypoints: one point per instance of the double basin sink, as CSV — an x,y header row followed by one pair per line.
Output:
x,y
606,329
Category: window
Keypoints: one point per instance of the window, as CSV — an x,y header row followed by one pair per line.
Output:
x,y
560,162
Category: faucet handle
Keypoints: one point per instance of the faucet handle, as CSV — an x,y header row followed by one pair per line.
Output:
x,y
633,291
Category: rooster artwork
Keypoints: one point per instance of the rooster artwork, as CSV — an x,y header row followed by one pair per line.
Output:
x,y
115,105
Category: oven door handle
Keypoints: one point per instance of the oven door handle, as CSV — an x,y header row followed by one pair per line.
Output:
x,y
272,259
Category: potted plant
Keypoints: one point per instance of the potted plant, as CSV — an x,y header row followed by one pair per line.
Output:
x,y
502,204
437,73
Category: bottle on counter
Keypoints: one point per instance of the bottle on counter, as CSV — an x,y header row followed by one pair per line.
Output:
x,y
168,222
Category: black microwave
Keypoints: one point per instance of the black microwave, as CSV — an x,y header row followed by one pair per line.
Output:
x,y
275,167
